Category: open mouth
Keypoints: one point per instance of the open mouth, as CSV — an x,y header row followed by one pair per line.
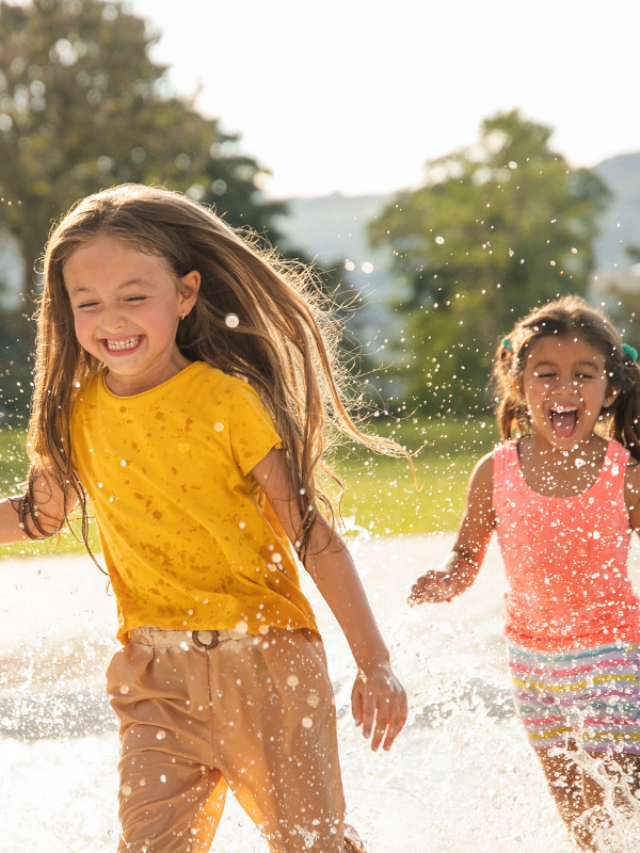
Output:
x,y
564,420
122,346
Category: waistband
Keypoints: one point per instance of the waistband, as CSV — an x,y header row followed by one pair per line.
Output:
x,y
148,635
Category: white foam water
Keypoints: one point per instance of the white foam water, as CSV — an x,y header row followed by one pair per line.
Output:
x,y
461,777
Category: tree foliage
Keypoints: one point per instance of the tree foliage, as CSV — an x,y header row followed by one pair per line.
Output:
x,y
82,107
496,229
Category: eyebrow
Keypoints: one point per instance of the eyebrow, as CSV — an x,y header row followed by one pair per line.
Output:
x,y
583,363
130,283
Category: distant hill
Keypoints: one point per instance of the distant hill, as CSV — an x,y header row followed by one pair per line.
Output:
x,y
332,228
621,222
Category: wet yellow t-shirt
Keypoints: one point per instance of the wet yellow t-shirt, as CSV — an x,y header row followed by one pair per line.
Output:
x,y
189,539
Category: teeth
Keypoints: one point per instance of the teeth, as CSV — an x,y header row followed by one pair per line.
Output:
x,y
117,345
561,409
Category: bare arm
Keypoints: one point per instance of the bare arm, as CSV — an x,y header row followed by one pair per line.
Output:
x,y
49,507
377,693
461,566
632,493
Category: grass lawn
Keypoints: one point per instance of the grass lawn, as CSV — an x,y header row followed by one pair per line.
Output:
x,y
380,494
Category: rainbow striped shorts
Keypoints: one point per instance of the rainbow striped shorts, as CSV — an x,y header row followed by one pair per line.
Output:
x,y
590,696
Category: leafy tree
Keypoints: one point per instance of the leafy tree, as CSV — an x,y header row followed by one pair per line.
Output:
x,y
496,228
83,107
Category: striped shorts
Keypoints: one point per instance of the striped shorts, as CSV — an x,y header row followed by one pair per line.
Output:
x,y
589,696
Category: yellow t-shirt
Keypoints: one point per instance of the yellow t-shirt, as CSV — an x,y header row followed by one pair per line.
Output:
x,y
189,539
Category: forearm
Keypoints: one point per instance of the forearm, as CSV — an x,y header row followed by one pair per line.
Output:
x,y
330,565
453,576
459,570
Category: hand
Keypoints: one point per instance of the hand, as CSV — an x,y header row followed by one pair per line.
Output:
x,y
378,695
435,586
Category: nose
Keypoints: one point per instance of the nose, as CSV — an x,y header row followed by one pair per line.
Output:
x,y
112,319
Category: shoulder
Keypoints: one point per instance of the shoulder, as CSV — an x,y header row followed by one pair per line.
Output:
x,y
481,480
632,481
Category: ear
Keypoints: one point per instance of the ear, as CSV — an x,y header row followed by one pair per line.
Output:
x,y
188,287
612,394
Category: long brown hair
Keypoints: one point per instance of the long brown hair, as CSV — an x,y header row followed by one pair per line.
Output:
x,y
285,346
570,316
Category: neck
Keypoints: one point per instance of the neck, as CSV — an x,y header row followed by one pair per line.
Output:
x,y
124,385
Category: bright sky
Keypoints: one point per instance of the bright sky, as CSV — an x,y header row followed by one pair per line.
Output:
x,y
354,95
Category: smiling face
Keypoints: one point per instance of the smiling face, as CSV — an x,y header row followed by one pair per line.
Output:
x,y
565,385
126,307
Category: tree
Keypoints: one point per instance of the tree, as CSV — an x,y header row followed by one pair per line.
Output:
x,y
496,229
83,107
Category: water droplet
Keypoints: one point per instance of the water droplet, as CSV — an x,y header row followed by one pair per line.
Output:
x,y
580,462
514,165
596,534
184,646
313,699
349,266
293,681
124,689
123,462
76,384
277,558
242,525
232,321
161,734
126,791
218,427
307,722
205,600
439,240
263,629
367,267
242,627
163,778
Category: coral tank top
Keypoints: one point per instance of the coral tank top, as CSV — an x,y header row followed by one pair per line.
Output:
x,y
565,558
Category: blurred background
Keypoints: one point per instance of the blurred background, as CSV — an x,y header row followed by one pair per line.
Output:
x,y
446,166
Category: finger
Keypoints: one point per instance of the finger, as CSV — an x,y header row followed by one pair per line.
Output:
x,y
356,703
394,723
368,711
397,719
383,711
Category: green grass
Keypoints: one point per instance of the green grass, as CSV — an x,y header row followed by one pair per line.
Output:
x,y
380,493
14,465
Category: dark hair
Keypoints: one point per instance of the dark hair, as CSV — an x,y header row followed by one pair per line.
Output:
x,y
285,345
569,316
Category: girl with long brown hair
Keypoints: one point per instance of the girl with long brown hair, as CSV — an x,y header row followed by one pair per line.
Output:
x,y
186,384
563,494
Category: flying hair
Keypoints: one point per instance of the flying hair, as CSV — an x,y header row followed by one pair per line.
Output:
x,y
570,316
286,344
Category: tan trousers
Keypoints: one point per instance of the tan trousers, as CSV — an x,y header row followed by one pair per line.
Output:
x,y
254,713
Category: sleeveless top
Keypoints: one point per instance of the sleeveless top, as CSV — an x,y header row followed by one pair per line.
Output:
x,y
565,558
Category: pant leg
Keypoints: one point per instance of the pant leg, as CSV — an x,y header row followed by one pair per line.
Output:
x,y
171,796
275,741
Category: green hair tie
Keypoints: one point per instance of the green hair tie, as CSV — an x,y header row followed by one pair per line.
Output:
x,y
630,352
506,344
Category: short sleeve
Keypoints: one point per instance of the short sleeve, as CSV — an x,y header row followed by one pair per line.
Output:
x,y
251,428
